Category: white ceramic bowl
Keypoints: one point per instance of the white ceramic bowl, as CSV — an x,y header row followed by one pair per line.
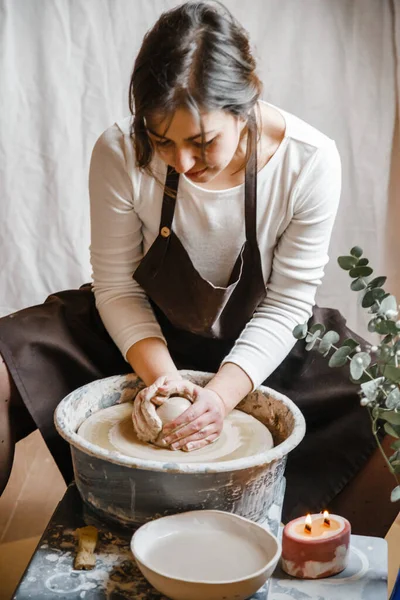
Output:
x,y
205,554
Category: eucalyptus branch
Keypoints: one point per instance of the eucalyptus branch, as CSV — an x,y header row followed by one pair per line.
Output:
x,y
319,339
379,375
376,436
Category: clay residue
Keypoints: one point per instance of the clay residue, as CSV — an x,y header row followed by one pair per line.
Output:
x,y
275,415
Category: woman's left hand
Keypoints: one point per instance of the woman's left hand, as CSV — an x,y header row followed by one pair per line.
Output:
x,y
201,424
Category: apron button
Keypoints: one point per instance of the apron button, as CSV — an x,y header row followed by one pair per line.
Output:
x,y
165,232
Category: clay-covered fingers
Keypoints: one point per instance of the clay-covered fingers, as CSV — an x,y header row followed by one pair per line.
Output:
x,y
178,438
145,420
179,387
157,392
190,415
201,438
166,386
203,419
197,444
206,403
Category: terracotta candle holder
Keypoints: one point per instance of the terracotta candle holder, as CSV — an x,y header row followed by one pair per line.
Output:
x,y
315,546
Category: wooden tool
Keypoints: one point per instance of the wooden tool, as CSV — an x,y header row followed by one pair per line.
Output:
x,y
85,558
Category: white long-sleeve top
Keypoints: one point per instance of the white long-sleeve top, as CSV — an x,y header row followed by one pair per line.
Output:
x,y
297,201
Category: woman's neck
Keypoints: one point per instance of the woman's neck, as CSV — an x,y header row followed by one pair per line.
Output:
x,y
271,128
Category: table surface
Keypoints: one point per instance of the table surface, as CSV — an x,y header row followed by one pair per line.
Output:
x,y
50,574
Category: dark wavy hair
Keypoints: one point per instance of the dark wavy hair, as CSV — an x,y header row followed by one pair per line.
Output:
x,y
196,56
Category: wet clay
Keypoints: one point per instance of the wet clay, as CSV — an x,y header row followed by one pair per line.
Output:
x,y
172,408
148,420
112,429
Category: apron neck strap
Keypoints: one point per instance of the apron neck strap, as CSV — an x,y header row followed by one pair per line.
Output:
x,y
169,200
250,187
250,182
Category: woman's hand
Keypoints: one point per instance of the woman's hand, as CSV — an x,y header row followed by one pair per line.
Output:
x,y
201,424
145,421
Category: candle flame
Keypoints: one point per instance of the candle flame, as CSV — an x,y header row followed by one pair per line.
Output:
x,y
308,524
327,520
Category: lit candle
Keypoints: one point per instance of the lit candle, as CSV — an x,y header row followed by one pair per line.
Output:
x,y
315,546
327,520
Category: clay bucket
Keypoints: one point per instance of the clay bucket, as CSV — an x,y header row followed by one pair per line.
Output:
x,y
132,491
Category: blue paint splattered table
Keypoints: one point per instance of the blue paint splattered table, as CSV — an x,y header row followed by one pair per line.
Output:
x,y
50,574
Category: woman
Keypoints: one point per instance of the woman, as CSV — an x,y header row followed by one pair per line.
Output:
x,y
211,215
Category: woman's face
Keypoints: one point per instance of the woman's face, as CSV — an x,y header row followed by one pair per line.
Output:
x,y
178,142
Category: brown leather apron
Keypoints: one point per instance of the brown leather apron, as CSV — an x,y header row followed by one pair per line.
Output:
x,y
198,318
53,348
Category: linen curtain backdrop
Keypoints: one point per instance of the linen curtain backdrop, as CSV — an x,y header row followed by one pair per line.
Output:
x,y
64,72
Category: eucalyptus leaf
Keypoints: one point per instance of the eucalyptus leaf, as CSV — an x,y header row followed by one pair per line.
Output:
x,y
360,271
372,325
339,357
395,495
313,334
390,361
383,353
363,262
374,371
311,337
378,293
358,381
358,284
392,373
356,370
356,251
300,331
330,337
377,282
393,399
388,303
351,343
390,416
392,430
370,388
311,344
395,457
347,262
371,296
317,328
359,362
384,327
395,445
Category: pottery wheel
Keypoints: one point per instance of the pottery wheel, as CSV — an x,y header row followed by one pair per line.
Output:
x,y
112,429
